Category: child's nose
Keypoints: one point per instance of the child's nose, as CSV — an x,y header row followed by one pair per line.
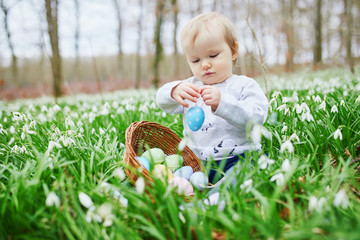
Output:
x,y
206,65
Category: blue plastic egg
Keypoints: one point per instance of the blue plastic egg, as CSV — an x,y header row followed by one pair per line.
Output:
x,y
195,118
184,172
144,162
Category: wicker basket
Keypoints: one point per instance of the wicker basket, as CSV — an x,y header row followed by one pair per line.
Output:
x,y
140,135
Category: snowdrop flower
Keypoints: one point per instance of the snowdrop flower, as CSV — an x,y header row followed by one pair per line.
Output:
x,y
102,132
12,129
92,117
67,141
287,145
11,140
93,130
322,106
69,123
284,129
53,144
247,185
119,173
123,201
258,131
214,200
264,162
342,103
358,99
276,94
317,99
341,199
285,166
52,200
105,213
56,108
294,136
140,185
338,134
183,143
85,200
312,203
307,116
279,178
334,109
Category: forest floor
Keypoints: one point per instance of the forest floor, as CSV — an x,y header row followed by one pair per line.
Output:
x,y
90,87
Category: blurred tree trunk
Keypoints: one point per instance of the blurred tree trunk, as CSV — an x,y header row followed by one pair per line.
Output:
x,y
77,36
138,69
14,66
176,54
349,33
317,51
288,28
56,64
159,13
119,36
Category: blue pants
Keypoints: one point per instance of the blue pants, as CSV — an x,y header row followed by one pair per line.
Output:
x,y
215,175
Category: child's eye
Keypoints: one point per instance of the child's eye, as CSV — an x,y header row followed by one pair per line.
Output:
x,y
195,61
214,55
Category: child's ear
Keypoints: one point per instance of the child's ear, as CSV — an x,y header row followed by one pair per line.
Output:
x,y
235,54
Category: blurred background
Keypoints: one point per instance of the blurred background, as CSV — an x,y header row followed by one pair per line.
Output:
x,y
61,47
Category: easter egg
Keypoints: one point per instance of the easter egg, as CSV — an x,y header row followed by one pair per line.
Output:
x,y
162,172
182,185
155,155
184,172
199,180
144,162
174,161
195,118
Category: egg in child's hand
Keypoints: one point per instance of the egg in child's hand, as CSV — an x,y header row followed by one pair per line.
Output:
x,y
182,185
162,172
154,155
195,118
144,162
184,172
174,161
199,180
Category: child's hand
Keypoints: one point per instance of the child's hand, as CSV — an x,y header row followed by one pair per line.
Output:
x,y
211,96
183,91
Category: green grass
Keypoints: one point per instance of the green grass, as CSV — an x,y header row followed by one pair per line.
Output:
x,y
76,146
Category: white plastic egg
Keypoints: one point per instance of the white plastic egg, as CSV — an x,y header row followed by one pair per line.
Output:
x,y
183,186
184,172
199,180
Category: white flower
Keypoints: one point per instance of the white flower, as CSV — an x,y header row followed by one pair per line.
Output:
x,y
282,107
123,201
264,161
294,136
341,199
183,143
140,185
322,106
284,129
247,185
85,200
105,213
312,203
358,99
102,132
53,144
338,134
279,178
287,145
52,200
92,117
285,166
119,173
12,129
69,123
317,99
334,109
342,103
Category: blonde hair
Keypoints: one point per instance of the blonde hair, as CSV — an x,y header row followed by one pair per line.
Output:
x,y
191,30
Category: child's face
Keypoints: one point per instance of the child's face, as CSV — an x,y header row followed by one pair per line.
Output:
x,y
210,58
